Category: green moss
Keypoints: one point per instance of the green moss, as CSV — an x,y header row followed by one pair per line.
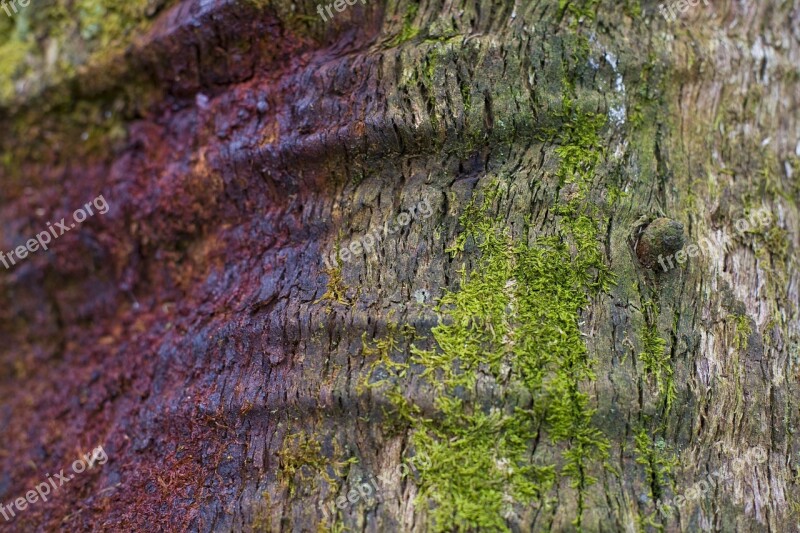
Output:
x,y
466,96
579,10
59,130
429,83
659,461
776,243
654,357
385,372
742,330
514,321
507,367
262,520
45,45
579,147
409,31
13,54
78,32
336,291
794,509
109,21
645,95
512,326
301,462
337,527
633,8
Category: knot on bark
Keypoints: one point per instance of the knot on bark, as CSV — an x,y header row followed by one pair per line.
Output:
x,y
660,238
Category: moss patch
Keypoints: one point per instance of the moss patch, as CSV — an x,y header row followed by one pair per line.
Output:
x,y
301,462
742,331
659,462
654,356
50,40
507,366
579,10
409,31
513,325
336,290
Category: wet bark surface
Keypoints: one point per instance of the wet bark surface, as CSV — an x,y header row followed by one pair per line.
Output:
x,y
200,332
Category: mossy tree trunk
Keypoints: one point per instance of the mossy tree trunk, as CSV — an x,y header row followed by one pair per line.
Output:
x,y
513,341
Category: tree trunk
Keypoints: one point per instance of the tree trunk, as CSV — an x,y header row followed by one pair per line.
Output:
x,y
412,268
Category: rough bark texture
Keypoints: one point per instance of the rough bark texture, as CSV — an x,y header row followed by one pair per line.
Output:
x,y
236,381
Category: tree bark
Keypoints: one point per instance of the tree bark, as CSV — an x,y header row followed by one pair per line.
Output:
x,y
511,355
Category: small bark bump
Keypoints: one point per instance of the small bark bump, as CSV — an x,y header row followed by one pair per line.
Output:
x,y
660,238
